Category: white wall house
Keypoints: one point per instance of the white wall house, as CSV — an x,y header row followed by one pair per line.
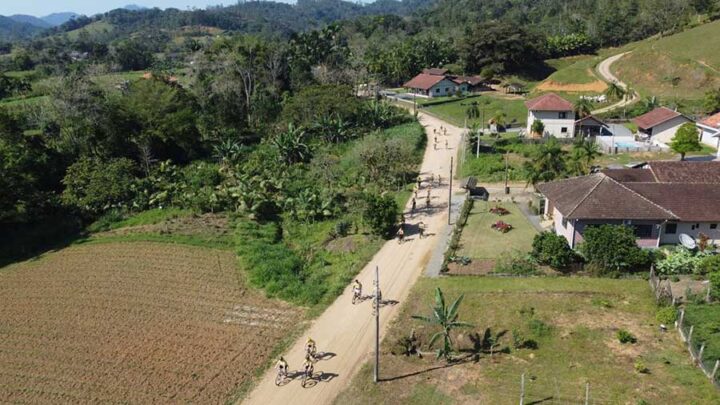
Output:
x,y
556,113
710,131
435,85
660,124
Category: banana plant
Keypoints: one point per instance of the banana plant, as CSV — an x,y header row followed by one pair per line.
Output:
x,y
446,318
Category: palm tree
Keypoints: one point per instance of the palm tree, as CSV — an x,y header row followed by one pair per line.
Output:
x,y
548,162
614,91
472,112
583,107
583,153
650,103
291,145
446,318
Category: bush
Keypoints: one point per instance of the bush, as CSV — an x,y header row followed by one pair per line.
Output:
x,y
613,248
708,265
95,186
666,315
624,337
552,250
640,367
342,228
715,285
681,261
516,265
379,213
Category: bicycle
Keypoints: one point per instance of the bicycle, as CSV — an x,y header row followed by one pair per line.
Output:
x,y
281,378
357,297
307,376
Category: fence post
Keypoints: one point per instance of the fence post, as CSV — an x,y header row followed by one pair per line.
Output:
x,y
700,354
587,393
522,389
707,295
679,323
715,369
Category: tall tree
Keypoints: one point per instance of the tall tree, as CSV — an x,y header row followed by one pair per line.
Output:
x,y
686,139
548,162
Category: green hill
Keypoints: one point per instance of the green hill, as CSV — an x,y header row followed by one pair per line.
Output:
x,y
682,66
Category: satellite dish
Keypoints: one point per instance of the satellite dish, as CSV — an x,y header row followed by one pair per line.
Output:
x,y
687,241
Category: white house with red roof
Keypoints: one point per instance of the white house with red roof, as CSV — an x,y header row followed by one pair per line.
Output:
x,y
436,83
556,113
660,124
710,131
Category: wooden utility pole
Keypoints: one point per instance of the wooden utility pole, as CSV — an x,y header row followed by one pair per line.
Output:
x,y
376,374
587,393
450,189
522,389
507,189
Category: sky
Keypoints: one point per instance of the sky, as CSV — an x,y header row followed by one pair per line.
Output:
x,y
89,7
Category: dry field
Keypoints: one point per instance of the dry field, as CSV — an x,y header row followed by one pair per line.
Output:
x,y
133,322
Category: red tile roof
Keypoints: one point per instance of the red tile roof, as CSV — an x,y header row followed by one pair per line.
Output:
x,y
549,102
712,121
424,81
667,190
655,117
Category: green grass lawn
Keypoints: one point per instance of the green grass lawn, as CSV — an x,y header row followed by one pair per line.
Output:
x,y
97,27
706,319
681,66
625,158
574,69
489,104
479,241
573,322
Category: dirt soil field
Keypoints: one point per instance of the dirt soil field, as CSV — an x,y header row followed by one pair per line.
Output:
x,y
597,86
135,323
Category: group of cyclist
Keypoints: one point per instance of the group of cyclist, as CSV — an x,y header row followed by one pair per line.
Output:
x,y
308,365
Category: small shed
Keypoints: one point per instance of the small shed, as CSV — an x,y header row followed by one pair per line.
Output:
x,y
471,185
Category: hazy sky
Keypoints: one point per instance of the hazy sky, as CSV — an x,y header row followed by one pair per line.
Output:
x,y
89,7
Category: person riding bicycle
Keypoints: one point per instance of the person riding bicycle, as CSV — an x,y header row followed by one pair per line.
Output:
x,y
282,366
401,234
310,347
414,204
421,228
427,201
357,288
308,366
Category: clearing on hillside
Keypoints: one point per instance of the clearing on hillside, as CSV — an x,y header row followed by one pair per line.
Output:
x,y
682,66
133,322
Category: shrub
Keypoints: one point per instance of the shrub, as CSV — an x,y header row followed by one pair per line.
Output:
x,y
624,337
601,302
379,213
342,228
95,186
666,315
708,265
681,261
613,248
501,226
515,264
497,210
539,328
552,250
715,285
640,367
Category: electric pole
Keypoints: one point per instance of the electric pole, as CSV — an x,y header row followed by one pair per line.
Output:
x,y
376,374
450,190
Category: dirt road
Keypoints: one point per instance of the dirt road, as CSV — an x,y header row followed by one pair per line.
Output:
x,y
603,70
346,330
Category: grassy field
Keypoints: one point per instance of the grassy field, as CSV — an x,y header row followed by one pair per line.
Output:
x,y
706,319
479,241
681,66
490,104
97,27
575,69
573,323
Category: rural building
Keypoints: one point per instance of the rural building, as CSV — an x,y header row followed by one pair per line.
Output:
x,y
555,112
437,83
660,124
660,201
710,131
591,126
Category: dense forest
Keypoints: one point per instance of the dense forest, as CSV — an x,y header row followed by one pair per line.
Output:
x,y
243,108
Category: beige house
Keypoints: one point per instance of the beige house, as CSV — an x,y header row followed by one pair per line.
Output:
x,y
660,125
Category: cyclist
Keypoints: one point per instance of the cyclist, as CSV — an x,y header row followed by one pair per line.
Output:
x,y
400,235
282,366
357,288
427,201
421,228
310,348
414,205
308,367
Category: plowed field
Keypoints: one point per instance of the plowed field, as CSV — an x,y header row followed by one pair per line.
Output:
x,y
132,322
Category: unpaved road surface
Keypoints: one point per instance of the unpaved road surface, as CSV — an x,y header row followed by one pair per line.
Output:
x,y
348,331
603,69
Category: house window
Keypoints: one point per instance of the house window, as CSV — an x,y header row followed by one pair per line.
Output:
x,y
564,223
563,130
627,222
671,229
447,89
562,115
437,90
713,226
643,231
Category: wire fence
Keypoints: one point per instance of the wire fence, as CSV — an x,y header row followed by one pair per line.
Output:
x,y
696,348
538,389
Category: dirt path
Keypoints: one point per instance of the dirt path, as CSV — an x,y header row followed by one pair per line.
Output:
x,y
348,330
603,70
